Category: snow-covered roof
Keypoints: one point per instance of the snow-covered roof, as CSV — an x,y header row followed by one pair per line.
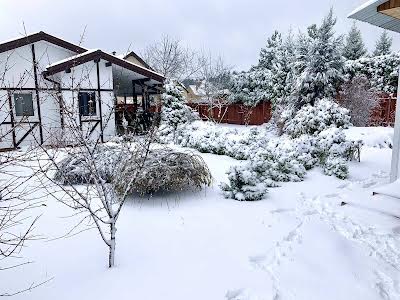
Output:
x,y
82,58
74,57
39,36
368,12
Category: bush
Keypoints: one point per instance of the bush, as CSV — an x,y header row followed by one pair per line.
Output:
x,y
314,119
166,170
360,100
244,185
286,160
160,170
206,137
336,166
76,168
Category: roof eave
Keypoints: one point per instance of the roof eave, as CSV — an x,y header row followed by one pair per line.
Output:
x,y
98,54
40,36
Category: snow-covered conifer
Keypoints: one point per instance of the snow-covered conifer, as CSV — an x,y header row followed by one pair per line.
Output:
x,y
354,47
322,66
312,120
174,110
268,54
383,45
381,71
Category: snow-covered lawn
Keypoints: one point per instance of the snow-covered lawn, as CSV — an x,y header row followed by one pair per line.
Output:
x,y
298,243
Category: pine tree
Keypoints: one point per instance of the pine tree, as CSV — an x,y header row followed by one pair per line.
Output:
x,y
277,60
383,45
268,54
354,47
321,71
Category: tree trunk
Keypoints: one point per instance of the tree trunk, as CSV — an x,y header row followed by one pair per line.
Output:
x,y
111,257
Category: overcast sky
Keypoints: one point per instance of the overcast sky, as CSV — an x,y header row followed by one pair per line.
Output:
x,y
233,29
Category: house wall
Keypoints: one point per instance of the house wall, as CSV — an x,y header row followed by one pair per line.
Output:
x,y
17,75
84,78
135,61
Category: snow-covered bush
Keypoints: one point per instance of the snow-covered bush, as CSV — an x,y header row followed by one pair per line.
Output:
x,y
336,166
207,137
286,159
166,170
159,170
332,142
244,185
76,168
313,119
381,71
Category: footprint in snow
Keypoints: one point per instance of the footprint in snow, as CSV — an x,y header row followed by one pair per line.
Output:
x,y
240,294
344,185
233,294
396,230
332,196
368,183
381,175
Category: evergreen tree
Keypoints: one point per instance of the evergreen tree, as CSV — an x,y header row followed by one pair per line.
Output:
x,y
354,47
383,45
321,71
174,110
268,54
277,60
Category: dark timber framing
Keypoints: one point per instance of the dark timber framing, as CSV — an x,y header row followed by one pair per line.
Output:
x,y
52,89
12,120
100,104
37,94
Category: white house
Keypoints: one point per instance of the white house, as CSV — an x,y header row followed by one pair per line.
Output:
x,y
385,14
44,80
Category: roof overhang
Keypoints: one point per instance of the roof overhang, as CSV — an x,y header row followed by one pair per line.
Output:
x,y
381,13
39,36
97,55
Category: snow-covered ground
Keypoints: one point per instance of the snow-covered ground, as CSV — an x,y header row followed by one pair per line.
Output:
x,y
298,243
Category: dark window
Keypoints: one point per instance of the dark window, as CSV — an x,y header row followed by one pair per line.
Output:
x,y
87,104
23,105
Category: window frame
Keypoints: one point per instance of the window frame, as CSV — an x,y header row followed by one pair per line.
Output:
x,y
25,112
85,109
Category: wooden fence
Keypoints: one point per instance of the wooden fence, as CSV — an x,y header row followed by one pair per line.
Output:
x,y
384,114
234,113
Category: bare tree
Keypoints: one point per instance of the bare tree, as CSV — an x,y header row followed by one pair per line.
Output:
x,y
102,198
97,197
171,58
358,97
214,75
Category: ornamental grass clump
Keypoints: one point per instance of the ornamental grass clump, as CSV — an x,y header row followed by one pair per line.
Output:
x,y
167,170
157,170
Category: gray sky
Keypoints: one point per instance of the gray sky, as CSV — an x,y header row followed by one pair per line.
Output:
x,y
233,29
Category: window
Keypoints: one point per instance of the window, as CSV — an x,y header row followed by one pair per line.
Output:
x,y
87,103
23,105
